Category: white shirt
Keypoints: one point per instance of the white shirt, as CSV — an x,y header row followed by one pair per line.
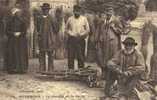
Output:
x,y
77,26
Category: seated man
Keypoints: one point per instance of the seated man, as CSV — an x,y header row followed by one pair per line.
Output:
x,y
125,68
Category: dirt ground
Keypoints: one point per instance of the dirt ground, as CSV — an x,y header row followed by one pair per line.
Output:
x,y
29,87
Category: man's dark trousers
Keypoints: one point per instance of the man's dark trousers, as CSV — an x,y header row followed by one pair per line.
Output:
x,y
76,49
42,60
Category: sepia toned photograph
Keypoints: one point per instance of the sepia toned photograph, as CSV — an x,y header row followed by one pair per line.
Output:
x,y
78,49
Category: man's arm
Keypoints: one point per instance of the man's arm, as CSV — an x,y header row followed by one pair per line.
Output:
x,y
114,63
68,27
38,23
87,29
139,68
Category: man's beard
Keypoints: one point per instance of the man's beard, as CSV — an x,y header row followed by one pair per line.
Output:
x,y
77,16
45,14
129,51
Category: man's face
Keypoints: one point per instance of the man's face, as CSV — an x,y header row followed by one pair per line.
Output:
x,y
108,16
45,11
129,47
77,13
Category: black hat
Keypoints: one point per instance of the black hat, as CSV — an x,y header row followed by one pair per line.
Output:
x,y
46,6
129,40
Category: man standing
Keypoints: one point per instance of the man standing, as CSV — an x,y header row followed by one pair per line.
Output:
x,y
108,38
46,38
126,67
77,28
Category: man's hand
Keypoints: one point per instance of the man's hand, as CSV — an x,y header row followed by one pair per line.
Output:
x,y
118,71
78,35
126,74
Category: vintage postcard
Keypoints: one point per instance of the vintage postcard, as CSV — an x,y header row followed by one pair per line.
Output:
x,y
78,50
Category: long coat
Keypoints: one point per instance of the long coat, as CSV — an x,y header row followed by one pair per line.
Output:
x,y
133,64
108,37
108,42
46,33
17,51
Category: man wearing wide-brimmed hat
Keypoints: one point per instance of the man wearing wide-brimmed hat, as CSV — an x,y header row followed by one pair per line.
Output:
x,y
126,67
46,38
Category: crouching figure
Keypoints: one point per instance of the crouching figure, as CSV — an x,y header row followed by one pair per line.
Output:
x,y
124,72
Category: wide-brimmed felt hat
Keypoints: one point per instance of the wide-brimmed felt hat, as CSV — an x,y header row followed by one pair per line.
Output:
x,y
45,6
130,41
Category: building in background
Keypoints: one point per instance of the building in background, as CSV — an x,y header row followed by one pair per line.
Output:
x,y
65,4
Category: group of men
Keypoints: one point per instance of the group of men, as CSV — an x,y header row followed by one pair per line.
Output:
x,y
121,66
77,29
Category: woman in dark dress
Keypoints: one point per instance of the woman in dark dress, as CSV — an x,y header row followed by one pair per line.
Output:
x,y
17,52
